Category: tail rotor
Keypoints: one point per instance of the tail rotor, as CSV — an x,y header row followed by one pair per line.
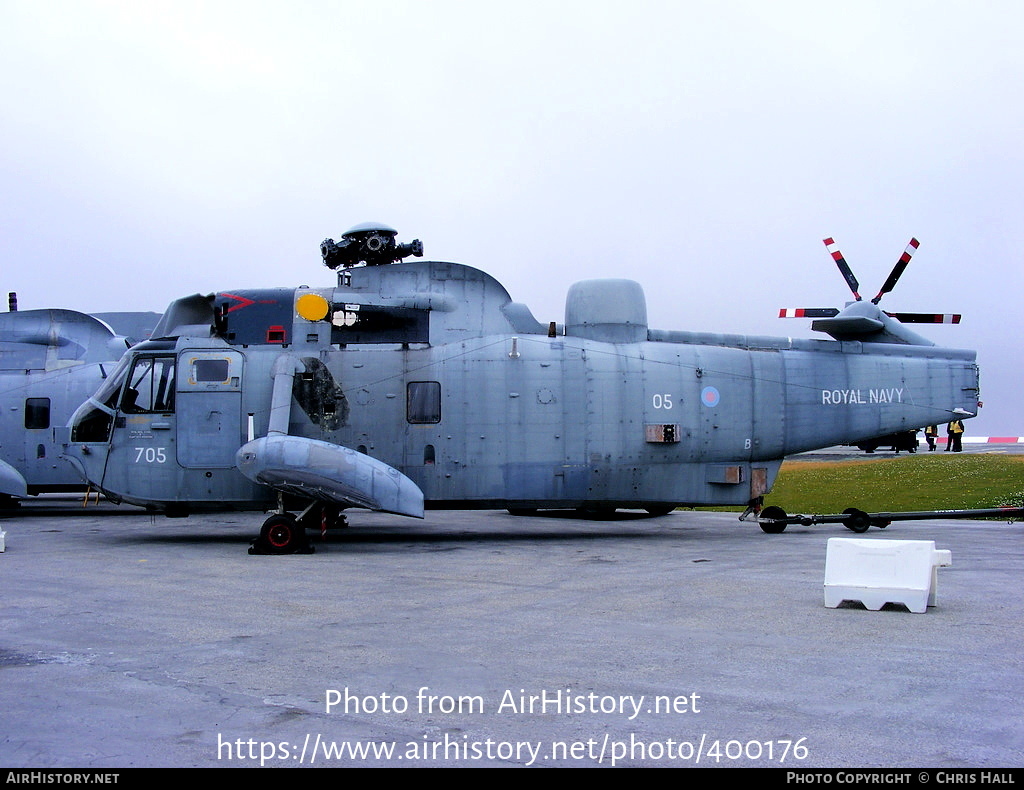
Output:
x,y
887,286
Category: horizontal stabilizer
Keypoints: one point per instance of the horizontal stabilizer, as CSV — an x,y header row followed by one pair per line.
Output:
x,y
326,472
847,325
867,322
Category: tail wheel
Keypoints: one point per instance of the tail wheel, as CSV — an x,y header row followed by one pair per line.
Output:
x,y
282,534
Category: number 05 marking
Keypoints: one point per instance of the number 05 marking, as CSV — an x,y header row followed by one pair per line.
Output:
x,y
662,400
150,455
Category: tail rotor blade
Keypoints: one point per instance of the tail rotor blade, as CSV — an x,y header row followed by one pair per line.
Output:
x,y
808,312
897,270
926,318
844,267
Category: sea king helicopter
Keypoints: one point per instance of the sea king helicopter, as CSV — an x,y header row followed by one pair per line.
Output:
x,y
422,384
51,360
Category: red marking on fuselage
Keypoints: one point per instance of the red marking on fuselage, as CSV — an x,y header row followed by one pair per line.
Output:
x,y
244,302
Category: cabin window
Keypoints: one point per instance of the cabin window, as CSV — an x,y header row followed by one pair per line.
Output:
x,y
423,402
150,387
37,413
210,370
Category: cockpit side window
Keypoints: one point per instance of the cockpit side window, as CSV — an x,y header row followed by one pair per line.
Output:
x,y
150,387
139,384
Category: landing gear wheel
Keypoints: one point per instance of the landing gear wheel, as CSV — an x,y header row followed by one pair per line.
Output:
x,y
774,525
858,520
282,534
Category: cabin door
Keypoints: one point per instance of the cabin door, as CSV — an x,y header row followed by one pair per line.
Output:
x,y
209,409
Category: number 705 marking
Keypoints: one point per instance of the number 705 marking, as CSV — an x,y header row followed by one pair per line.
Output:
x,y
150,455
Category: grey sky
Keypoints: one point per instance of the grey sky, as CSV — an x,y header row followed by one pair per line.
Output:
x,y
152,150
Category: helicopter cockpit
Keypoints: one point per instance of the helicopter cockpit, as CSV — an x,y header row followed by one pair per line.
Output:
x,y
149,374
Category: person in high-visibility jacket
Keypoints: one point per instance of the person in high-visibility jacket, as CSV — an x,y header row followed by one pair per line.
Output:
x,y
954,435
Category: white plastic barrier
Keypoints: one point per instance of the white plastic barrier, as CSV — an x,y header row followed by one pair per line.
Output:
x,y
877,572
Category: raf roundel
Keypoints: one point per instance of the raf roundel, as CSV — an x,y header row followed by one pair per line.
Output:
x,y
709,396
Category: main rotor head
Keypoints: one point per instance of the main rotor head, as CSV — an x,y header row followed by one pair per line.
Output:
x,y
371,243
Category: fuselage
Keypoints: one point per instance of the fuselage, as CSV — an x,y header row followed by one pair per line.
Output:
x,y
432,369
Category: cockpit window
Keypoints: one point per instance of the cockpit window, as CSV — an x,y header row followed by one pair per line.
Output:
x,y
150,386
111,387
93,420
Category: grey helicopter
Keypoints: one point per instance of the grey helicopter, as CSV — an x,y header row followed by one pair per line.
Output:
x,y
421,384
51,360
